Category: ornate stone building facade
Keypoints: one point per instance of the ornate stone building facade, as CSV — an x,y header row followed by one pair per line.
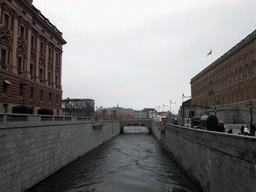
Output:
x,y
31,58
230,81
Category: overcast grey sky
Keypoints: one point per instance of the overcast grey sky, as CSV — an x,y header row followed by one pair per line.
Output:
x,y
143,53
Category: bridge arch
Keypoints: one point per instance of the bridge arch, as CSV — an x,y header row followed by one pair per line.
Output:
x,y
135,122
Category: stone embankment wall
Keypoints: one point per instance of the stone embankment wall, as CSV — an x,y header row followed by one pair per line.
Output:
x,y
30,152
216,161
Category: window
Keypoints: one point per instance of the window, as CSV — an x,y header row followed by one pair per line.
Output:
x,y
32,41
255,92
231,67
246,59
253,55
41,95
5,108
41,74
240,62
254,70
241,75
50,53
49,78
57,98
248,93
247,72
31,92
19,64
57,57
31,70
6,21
42,47
237,96
242,95
5,87
3,57
236,77
56,81
236,65
50,97
22,31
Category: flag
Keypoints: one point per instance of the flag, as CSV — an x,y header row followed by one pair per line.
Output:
x,y
209,53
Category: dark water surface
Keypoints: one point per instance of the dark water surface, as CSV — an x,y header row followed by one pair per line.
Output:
x,y
133,161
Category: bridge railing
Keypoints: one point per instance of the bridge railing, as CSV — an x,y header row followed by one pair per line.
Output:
x,y
12,117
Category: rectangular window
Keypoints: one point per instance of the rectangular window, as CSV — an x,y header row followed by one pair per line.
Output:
x,y
31,92
240,62
41,95
3,57
5,108
246,59
6,21
57,98
248,93
56,81
57,57
254,92
41,74
49,78
31,70
247,72
242,95
237,96
42,47
254,70
253,55
22,31
50,97
19,64
241,75
50,53
231,67
236,65
5,87
32,41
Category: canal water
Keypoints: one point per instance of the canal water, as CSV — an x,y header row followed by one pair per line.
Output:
x,y
131,162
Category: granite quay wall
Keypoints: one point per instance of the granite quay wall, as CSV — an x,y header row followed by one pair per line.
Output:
x,y
32,151
216,161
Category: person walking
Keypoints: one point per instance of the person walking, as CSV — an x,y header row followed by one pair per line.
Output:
x,y
252,129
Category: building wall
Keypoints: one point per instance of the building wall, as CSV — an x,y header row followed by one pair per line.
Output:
x,y
31,58
32,152
216,161
230,80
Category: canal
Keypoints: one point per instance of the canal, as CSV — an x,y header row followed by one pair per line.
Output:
x,y
131,162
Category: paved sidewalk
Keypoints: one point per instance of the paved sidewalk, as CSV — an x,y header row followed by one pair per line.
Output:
x,y
235,127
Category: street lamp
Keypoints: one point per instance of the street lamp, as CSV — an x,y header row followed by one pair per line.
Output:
x,y
183,107
251,107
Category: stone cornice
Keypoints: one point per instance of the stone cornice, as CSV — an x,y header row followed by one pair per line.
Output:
x,y
41,20
251,37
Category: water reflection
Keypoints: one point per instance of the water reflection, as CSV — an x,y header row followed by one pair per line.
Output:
x,y
133,161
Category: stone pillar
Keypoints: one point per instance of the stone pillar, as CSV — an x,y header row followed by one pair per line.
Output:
x,y
60,65
27,72
37,58
54,68
46,62
14,44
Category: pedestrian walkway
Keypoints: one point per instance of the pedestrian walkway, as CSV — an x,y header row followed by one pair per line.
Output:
x,y
236,127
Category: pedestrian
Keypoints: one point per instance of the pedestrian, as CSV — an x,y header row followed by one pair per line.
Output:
x,y
252,129
221,127
247,130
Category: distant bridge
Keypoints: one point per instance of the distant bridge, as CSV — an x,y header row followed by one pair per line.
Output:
x,y
135,122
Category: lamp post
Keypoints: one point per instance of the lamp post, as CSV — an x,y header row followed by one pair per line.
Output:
x,y
251,107
183,115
